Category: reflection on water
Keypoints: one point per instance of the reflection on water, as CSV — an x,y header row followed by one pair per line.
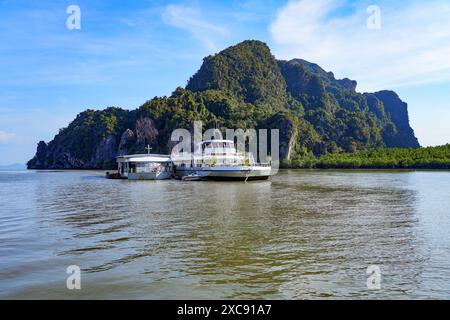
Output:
x,y
304,234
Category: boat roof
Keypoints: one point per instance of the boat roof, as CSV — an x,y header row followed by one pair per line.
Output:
x,y
217,140
145,158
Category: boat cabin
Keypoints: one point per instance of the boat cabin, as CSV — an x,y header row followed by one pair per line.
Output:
x,y
145,167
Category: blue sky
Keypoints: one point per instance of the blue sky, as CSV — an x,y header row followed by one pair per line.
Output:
x,y
129,52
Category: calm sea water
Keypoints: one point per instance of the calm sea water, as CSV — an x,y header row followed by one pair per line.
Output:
x,y
302,235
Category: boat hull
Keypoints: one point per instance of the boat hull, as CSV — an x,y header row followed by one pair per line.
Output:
x,y
149,176
226,173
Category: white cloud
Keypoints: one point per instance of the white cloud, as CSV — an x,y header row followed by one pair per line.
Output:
x,y
5,136
412,47
191,20
128,22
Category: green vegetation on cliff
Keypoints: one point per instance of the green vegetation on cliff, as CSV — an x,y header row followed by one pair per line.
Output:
x,y
90,141
244,87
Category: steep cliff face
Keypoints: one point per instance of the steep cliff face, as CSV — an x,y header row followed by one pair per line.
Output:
x,y
91,141
244,87
127,141
369,120
403,135
288,127
40,159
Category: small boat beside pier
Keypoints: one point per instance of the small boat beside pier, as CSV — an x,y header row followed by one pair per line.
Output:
x,y
144,167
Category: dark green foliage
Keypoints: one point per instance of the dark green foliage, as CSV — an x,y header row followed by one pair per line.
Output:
x,y
247,71
82,135
344,119
82,138
381,158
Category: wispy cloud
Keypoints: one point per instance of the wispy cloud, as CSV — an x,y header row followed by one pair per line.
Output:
x,y
37,49
411,48
6,136
193,21
128,22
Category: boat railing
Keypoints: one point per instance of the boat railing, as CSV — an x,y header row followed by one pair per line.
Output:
x,y
224,164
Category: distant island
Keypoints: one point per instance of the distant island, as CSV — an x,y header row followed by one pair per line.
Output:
x,y
323,121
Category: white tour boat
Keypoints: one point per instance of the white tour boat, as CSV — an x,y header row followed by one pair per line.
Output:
x,y
219,160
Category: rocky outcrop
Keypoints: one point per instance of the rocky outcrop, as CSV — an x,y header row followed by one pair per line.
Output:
x,y
89,142
40,159
247,71
403,136
105,153
241,87
287,127
146,131
127,140
58,158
